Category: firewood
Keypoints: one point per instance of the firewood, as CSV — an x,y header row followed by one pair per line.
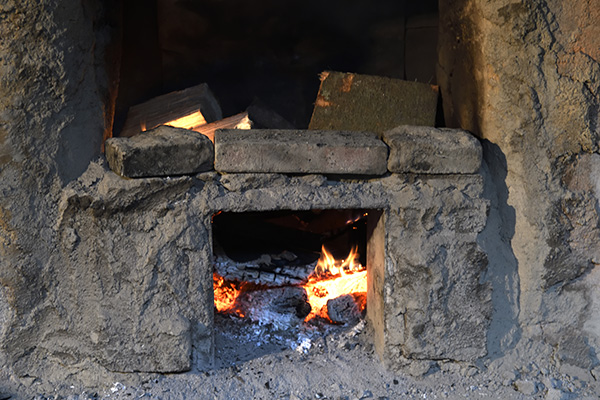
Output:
x,y
196,101
343,310
264,117
291,299
238,121
354,102
263,271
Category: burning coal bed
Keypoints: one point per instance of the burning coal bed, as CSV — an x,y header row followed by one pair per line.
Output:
x,y
274,289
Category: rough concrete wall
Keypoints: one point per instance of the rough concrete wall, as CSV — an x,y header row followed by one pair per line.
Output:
x,y
525,76
137,292
52,120
135,276
437,304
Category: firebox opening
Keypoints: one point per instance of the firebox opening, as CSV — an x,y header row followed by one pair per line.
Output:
x,y
292,273
250,235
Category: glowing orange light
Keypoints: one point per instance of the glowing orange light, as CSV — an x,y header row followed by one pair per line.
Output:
x,y
191,121
226,294
333,278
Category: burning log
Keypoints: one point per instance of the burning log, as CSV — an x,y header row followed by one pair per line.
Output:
x,y
188,108
265,270
343,310
336,291
291,299
332,279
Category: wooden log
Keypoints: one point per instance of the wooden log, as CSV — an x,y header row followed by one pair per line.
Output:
x,y
343,310
353,102
196,102
264,117
238,121
262,271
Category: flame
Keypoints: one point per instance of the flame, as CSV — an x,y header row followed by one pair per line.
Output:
x,y
191,121
327,264
226,295
333,278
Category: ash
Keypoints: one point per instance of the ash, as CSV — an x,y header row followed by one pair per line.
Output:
x,y
265,332
340,364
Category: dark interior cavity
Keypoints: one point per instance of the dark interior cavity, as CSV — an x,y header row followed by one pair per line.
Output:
x,y
269,50
250,235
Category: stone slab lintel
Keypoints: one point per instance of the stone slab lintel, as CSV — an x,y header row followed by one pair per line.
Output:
x,y
163,151
300,151
428,150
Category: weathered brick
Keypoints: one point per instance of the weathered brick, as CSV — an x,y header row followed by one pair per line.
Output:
x,y
428,150
300,151
356,102
162,151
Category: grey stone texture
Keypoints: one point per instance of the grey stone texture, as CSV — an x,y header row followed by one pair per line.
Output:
x,y
139,274
354,102
300,151
138,254
162,151
525,77
428,150
56,85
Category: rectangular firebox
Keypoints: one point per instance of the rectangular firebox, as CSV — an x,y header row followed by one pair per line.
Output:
x,y
306,266
286,278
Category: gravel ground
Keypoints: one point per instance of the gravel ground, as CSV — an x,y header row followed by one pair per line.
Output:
x,y
257,361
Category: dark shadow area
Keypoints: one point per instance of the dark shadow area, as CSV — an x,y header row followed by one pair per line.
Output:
x,y
495,240
248,236
270,50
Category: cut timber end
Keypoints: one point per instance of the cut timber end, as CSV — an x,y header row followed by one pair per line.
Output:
x,y
173,106
238,121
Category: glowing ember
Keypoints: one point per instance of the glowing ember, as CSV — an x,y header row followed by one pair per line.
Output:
x,y
226,294
333,278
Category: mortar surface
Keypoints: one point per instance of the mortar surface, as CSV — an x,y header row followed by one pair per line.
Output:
x,y
339,365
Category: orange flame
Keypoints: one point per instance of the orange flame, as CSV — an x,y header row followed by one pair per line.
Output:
x,y
226,294
333,278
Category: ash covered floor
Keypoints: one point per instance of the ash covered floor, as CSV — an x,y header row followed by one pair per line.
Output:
x,y
337,364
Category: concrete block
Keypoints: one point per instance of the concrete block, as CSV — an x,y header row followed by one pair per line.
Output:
x,y
300,151
427,150
162,151
356,102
